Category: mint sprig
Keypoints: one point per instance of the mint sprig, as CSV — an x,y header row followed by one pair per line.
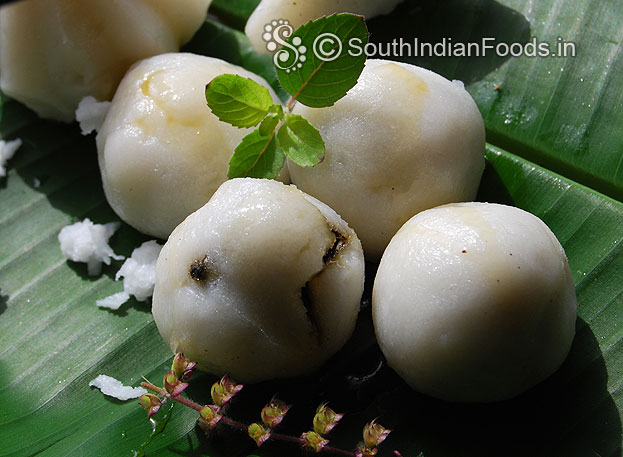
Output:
x,y
269,124
317,66
331,66
238,101
301,141
257,156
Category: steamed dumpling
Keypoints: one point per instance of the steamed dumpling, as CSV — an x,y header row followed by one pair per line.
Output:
x,y
262,282
299,12
474,302
403,140
162,153
55,52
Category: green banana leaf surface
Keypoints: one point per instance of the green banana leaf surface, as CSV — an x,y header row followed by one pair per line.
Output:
x,y
555,133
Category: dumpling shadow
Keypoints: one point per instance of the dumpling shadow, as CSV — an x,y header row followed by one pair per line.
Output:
x,y
570,414
133,303
55,159
455,21
4,299
492,188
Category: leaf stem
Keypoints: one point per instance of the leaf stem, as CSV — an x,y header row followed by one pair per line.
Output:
x,y
234,424
337,450
290,103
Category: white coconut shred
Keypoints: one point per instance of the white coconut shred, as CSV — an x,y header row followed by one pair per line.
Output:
x,y
139,271
91,114
139,276
7,150
88,242
113,301
114,388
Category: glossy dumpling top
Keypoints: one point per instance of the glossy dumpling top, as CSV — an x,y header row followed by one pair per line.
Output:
x,y
300,12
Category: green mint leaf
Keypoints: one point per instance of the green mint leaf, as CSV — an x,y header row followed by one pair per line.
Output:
x,y
322,60
277,109
257,156
268,125
238,101
301,141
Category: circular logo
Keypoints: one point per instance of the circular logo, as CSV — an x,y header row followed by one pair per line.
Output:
x,y
288,57
327,47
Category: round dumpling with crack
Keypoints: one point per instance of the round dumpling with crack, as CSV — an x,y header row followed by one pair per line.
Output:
x,y
55,52
403,140
162,153
262,282
474,302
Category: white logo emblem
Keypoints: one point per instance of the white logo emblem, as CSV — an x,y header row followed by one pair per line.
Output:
x,y
275,34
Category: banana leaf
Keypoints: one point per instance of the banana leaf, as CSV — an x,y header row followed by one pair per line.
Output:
x,y
555,135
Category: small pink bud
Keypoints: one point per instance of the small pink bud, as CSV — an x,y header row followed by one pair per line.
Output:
x,y
173,385
398,454
258,433
314,441
151,403
224,390
364,451
209,416
325,419
182,367
374,434
274,412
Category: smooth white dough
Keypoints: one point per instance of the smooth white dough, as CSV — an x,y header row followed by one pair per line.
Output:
x,y
162,153
261,242
55,52
474,302
403,140
299,12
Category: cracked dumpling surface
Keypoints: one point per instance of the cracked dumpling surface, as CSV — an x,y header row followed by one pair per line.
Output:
x,y
162,153
474,302
403,140
302,11
55,52
262,282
